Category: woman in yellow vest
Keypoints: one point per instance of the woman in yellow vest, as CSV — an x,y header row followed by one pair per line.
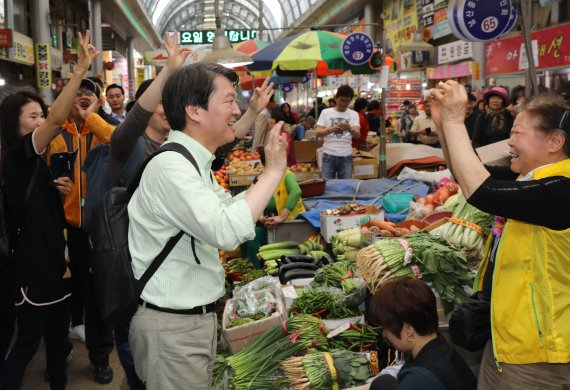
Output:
x,y
526,268
286,202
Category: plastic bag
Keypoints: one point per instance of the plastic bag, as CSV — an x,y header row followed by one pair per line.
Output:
x,y
261,303
263,283
419,211
352,300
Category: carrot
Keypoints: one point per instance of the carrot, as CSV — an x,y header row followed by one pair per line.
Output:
x,y
405,231
386,233
383,225
364,229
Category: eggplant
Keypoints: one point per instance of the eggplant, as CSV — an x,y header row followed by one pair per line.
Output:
x,y
296,274
326,260
287,267
288,259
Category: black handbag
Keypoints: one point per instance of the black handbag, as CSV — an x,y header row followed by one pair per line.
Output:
x,y
4,233
470,323
7,250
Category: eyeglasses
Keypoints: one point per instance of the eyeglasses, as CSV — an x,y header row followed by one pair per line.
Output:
x,y
86,92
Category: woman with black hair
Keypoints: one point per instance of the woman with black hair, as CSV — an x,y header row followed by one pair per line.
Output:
x,y
406,309
36,222
289,116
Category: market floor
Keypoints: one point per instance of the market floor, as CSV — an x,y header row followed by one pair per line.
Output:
x,y
79,377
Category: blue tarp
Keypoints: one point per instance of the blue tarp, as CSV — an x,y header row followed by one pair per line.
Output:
x,y
339,192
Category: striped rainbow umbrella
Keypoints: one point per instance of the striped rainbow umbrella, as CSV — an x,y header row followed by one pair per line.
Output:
x,y
307,51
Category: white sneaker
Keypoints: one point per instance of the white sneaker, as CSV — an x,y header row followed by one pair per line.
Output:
x,y
77,333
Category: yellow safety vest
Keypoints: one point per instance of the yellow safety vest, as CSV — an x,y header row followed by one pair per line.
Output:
x,y
281,196
530,304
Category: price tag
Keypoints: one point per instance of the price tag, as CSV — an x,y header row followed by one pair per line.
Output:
x,y
338,330
483,20
408,249
289,292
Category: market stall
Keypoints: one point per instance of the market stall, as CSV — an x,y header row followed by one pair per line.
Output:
x,y
297,319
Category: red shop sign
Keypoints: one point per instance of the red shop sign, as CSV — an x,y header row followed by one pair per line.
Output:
x,y
503,55
5,37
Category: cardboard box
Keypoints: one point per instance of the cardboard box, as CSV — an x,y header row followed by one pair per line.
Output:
x,y
306,152
241,180
239,337
365,164
332,224
364,168
292,230
304,176
246,167
495,154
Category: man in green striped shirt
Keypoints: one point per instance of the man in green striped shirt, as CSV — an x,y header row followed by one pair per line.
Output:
x,y
173,334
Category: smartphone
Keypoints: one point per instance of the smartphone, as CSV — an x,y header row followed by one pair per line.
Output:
x,y
61,164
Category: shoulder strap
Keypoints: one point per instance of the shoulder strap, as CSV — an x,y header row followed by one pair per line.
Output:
x,y
68,138
171,146
171,243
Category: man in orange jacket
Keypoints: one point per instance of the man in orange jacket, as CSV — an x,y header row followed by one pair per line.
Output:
x,y
83,130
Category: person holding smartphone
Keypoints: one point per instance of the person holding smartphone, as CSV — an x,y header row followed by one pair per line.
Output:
x,y
424,128
36,222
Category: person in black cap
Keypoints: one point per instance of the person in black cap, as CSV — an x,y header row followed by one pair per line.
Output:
x,y
82,131
102,113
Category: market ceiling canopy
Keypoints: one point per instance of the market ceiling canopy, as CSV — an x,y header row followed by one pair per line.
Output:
x,y
168,15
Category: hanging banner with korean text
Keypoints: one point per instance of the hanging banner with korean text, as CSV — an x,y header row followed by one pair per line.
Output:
x,y
199,37
552,50
43,70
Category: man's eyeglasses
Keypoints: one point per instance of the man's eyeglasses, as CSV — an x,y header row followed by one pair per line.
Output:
x,y
86,92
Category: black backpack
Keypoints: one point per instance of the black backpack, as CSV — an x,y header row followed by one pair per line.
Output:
x,y
97,167
117,292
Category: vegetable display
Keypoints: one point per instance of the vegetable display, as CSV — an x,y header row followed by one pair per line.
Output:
x,y
323,304
278,249
358,337
339,274
250,307
327,370
345,244
255,367
419,255
467,229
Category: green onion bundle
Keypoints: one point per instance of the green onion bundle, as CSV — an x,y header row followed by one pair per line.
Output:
x,y
432,260
255,366
324,370
467,228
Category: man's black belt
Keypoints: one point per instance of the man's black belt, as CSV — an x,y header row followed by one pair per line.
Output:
x,y
210,307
